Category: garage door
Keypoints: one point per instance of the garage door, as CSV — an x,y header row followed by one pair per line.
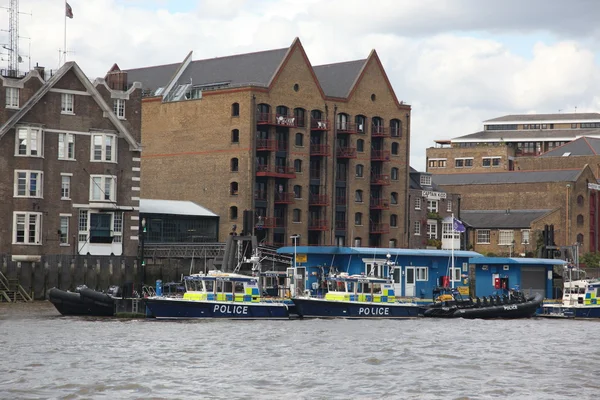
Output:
x,y
533,280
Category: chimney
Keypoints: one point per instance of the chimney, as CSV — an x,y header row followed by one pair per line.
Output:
x,y
116,79
40,71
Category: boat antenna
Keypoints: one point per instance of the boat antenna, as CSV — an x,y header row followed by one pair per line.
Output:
x,y
348,267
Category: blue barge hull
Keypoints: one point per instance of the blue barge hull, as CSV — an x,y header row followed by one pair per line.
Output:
x,y
168,308
588,312
321,308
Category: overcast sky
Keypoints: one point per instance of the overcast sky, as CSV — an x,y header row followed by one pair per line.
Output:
x,y
457,62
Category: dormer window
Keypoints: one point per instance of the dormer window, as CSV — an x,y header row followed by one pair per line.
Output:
x,y
12,97
66,103
119,108
425,180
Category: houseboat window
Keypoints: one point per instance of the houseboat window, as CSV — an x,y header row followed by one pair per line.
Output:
x,y
190,286
350,287
227,287
239,287
209,286
376,288
332,286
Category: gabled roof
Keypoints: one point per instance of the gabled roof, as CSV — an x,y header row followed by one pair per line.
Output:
x,y
415,181
176,207
500,219
526,134
584,146
338,79
496,178
90,88
546,117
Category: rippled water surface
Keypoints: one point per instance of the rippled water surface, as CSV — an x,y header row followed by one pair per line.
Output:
x,y
47,356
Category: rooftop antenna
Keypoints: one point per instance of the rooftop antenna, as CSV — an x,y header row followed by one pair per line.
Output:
x,y
13,46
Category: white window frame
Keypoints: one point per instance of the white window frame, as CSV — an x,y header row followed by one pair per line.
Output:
x,y
506,237
27,226
67,103
30,142
119,108
98,186
66,146
105,156
39,191
483,236
432,229
525,236
422,274
12,97
455,274
83,226
425,180
64,236
417,228
433,206
449,205
65,186
117,227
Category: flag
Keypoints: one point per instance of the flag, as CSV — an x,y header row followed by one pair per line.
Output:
x,y
458,226
68,10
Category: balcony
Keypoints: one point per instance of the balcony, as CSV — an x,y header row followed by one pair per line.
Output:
x,y
378,228
346,152
340,225
319,124
318,200
317,225
379,131
380,155
379,204
266,144
380,179
345,127
340,201
319,149
315,174
268,222
276,120
275,172
260,195
284,198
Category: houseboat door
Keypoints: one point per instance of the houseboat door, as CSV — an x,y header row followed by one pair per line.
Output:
x,y
409,282
397,282
299,281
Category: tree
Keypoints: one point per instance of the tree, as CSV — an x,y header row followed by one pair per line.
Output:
x,y
590,260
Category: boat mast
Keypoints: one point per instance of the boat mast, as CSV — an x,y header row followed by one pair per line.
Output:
x,y
452,254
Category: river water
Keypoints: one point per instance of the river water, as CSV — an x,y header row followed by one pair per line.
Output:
x,y
47,356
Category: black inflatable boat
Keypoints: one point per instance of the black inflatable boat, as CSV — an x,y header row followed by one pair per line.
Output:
x,y
84,301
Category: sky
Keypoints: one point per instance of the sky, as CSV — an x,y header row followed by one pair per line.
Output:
x,y
456,62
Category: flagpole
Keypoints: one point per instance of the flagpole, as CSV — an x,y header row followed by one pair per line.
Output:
x,y
452,252
65,36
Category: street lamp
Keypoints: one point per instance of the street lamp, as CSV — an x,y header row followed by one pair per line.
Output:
x,y
142,259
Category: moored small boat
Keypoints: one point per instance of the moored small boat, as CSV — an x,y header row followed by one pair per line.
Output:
x,y
83,302
355,296
218,295
580,299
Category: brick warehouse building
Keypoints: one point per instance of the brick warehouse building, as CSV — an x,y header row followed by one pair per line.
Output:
x,y
318,151
70,153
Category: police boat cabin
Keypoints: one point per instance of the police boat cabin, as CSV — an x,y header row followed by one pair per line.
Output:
x,y
218,295
355,296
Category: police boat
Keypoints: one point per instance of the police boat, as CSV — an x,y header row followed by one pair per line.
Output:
x,y
217,295
355,296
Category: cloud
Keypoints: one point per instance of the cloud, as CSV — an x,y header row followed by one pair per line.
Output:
x,y
449,59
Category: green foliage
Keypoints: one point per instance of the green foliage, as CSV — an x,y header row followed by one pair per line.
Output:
x,y
434,243
490,254
433,215
590,260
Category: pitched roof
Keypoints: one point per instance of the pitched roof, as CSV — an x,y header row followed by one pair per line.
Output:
x,y
338,79
493,219
584,146
90,88
526,134
498,178
237,70
176,207
546,117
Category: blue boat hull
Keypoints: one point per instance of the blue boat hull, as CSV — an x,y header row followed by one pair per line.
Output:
x,y
588,312
320,308
167,308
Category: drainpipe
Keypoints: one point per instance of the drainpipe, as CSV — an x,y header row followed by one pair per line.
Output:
x,y
567,217
334,175
253,157
406,182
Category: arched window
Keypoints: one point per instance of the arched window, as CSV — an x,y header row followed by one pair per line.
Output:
x,y
393,220
360,145
235,136
358,218
358,196
579,220
394,199
377,126
297,215
357,242
580,238
342,122
263,113
394,174
361,122
233,188
316,120
395,128
235,110
233,212
281,111
580,200
297,191
359,170
298,165
235,165
300,115
299,139
395,148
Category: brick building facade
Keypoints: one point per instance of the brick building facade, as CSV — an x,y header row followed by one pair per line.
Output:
x,y
70,150
317,151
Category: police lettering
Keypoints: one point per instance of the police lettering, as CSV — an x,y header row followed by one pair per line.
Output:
x,y
508,308
231,309
374,311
